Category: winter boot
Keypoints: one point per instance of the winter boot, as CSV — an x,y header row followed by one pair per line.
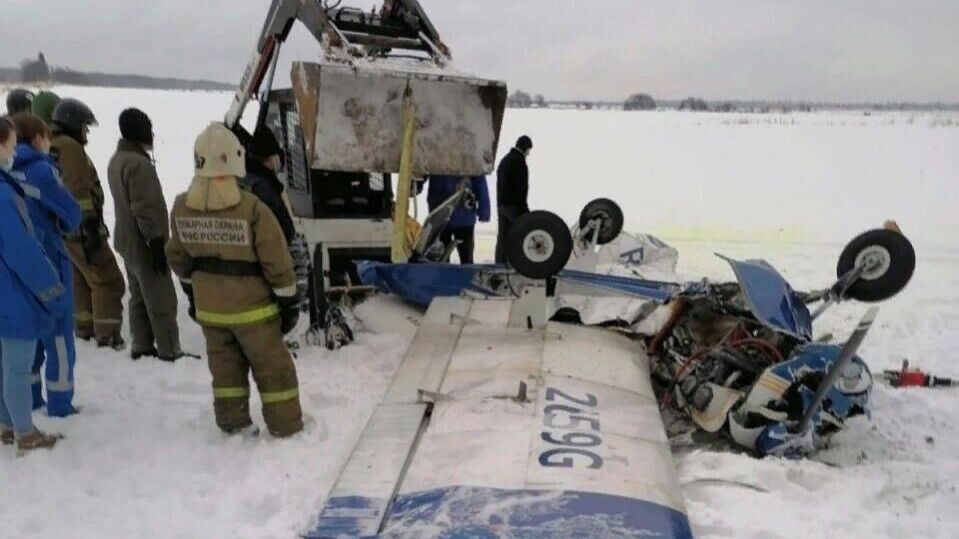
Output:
x,y
6,436
151,352
249,431
84,334
36,440
171,359
116,342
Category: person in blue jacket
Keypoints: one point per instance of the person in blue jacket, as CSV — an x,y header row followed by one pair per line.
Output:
x,y
462,224
33,297
54,213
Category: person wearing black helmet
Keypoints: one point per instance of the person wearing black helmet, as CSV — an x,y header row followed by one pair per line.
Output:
x,y
512,190
98,284
19,100
140,235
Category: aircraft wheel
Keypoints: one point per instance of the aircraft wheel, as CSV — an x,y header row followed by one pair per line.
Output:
x,y
609,213
539,245
891,261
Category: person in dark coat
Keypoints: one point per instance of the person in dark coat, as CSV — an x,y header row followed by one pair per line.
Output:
x,y
512,190
140,235
262,163
462,223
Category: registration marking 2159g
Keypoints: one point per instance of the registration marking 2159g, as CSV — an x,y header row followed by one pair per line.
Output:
x,y
571,423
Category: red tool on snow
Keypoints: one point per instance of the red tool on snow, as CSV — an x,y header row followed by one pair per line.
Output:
x,y
916,378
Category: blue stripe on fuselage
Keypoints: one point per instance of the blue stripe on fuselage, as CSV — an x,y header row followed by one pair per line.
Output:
x,y
481,513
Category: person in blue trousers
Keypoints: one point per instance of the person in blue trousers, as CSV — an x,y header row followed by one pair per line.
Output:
x,y
462,223
54,213
33,297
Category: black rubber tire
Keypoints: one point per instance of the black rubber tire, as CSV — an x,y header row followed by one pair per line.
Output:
x,y
902,264
611,214
549,224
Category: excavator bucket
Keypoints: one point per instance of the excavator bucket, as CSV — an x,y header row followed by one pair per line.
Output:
x,y
352,118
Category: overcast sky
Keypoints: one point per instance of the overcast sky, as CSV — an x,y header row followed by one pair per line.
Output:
x,y
828,50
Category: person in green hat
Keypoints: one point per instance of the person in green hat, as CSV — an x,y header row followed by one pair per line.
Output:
x,y
43,105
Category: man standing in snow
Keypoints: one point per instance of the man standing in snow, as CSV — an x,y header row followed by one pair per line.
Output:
x,y
462,223
98,285
140,237
231,256
263,162
512,190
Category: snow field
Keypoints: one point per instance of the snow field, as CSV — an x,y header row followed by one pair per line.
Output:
x,y
144,458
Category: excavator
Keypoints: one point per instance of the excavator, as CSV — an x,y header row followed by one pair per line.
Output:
x,y
381,99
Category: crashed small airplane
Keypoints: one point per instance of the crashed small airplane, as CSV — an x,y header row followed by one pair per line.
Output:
x,y
528,404
736,357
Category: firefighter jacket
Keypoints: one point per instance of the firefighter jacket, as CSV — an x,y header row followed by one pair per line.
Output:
x,y
79,176
230,247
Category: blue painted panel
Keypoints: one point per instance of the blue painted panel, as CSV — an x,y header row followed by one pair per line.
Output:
x,y
421,283
771,299
349,516
478,513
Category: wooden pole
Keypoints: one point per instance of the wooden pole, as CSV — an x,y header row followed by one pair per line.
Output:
x,y
400,251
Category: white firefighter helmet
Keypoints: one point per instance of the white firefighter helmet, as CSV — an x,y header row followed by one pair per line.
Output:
x,y
219,153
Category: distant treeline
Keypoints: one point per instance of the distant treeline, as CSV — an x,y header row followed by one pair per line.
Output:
x,y
38,72
641,101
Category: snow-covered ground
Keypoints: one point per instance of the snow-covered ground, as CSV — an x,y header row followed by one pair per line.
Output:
x,y
144,458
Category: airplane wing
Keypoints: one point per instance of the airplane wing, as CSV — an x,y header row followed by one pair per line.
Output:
x,y
489,430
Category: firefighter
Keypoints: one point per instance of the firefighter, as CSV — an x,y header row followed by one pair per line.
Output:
x,y
98,285
231,256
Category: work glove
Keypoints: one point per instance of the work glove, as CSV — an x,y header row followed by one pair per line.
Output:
x,y
188,290
158,255
92,238
289,313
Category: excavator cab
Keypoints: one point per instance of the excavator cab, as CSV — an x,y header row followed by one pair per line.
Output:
x,y
380,105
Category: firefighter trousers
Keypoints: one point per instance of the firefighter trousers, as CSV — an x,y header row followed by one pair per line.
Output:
x,y
152,311
98,289
232,353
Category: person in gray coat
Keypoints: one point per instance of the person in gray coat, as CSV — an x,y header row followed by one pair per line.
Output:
x,y
140,237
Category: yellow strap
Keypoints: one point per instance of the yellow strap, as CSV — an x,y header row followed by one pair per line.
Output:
x,y
83,317
238,319
86,204
401,209
279,396
231,392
